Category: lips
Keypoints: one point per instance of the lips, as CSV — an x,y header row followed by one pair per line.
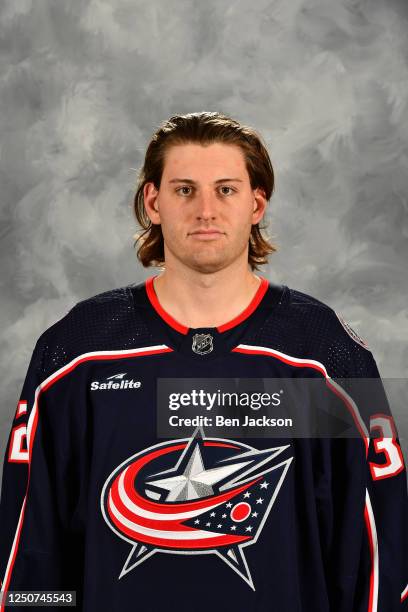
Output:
x,y
208,231
207,235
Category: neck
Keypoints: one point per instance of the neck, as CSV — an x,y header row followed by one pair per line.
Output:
x,y
205,300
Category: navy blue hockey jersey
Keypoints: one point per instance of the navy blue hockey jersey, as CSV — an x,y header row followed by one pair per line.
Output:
x,y
95,501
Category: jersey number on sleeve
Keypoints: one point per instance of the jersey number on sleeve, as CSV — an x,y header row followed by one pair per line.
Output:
x,y
18,452
386,444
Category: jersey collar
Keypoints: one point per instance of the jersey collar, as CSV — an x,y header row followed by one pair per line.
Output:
x,y
183,329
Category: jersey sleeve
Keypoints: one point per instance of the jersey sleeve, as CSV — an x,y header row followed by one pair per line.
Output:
x,y
383,570
364,517
36,494
380,580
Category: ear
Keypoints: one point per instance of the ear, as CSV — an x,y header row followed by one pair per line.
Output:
x,y
150,196
259,204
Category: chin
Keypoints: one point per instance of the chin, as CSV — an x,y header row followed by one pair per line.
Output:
x,y
207,267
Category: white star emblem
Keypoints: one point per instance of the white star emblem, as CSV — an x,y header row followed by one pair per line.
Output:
x,y
196,481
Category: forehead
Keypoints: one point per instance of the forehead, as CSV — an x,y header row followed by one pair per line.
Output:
x,y
217,160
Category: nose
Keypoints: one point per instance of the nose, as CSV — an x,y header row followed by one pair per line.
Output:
x,y
206,203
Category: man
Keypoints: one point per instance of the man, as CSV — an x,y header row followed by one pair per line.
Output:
x,y
119,483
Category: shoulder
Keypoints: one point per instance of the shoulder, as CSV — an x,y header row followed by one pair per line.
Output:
x,y
314,308
307,327
324,320
106,321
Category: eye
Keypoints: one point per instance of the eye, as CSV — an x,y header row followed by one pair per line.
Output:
x,y
227,187
184,187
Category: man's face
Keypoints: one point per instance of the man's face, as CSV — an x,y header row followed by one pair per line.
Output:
x,y
205,189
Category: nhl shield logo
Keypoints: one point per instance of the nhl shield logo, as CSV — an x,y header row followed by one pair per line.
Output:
x,y
202,343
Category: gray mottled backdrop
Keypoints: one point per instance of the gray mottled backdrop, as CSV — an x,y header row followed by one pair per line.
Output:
x,y
85,83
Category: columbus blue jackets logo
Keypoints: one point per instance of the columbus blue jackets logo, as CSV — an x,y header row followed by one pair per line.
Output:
x,y
194,496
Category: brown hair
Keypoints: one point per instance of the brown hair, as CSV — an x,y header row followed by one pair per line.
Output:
x,y
202,128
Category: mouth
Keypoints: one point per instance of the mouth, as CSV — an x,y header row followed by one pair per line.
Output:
x,y
206,234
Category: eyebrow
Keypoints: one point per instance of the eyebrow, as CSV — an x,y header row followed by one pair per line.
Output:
x,y
191,182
